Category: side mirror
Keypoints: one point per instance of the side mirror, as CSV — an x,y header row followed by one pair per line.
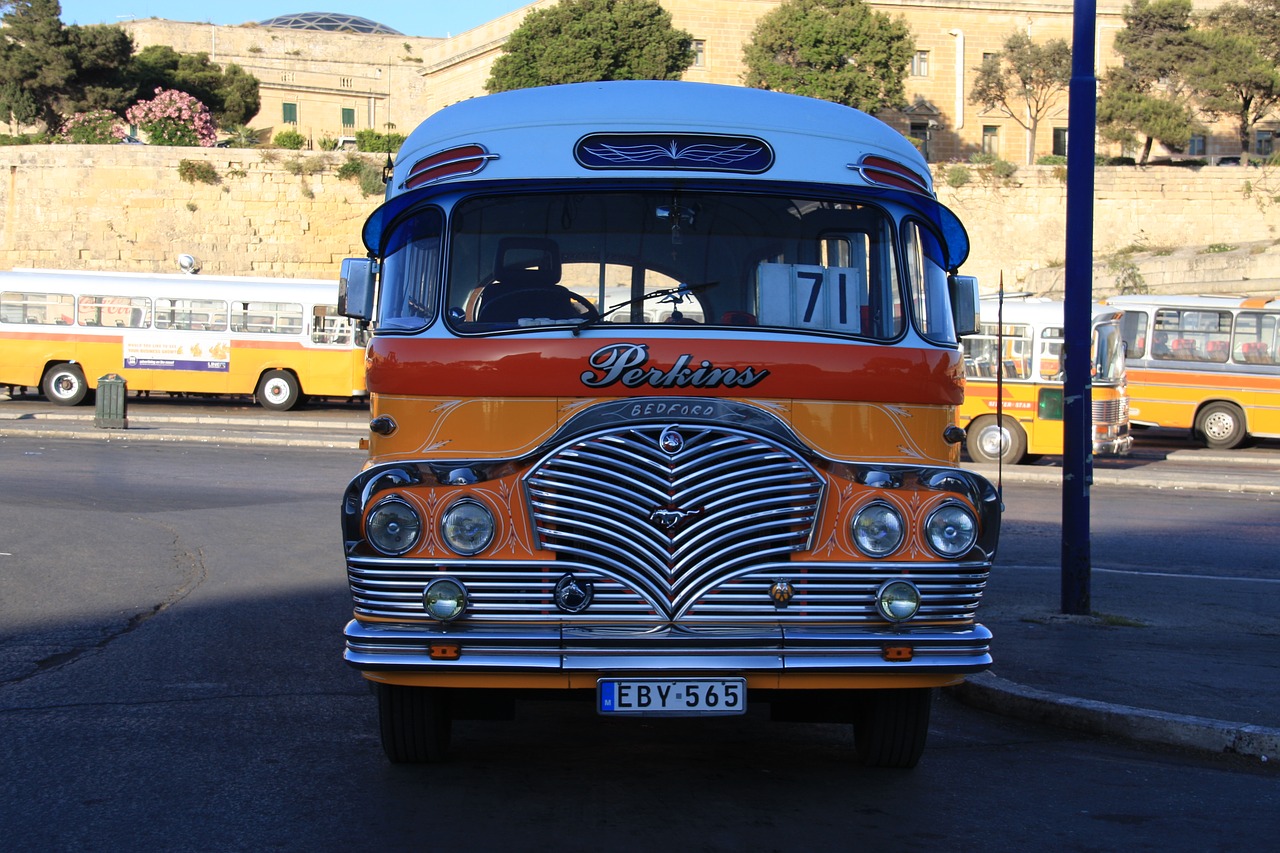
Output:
x,y
355,288
964,303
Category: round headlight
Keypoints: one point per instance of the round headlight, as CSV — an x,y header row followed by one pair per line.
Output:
x,y
898,601
951,530
444,599
467,527
877,530
393,526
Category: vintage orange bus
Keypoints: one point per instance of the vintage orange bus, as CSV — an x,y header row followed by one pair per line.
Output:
x,y
280,340
1210,364
1013,371
663,392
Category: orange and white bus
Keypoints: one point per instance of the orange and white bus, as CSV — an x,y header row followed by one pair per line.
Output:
x,y
1210,364
663,398
1026,352
280,340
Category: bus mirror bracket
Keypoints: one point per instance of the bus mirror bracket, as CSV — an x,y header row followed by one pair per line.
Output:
x,y
355,288
964,303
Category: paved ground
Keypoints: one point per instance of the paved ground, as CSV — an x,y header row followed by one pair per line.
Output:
x,y
1196,671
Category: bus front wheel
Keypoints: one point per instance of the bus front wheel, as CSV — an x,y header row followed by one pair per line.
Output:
x,y
890,727
278,390
988,443
64,384
414,722
1220,426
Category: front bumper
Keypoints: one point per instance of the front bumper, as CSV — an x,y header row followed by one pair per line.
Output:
x,y
405,647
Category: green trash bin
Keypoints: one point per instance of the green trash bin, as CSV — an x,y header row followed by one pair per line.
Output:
x,y
110,407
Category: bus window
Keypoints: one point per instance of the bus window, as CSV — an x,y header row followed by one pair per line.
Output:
x,y
129,312
1134,329
272,318
927,283
1191,335
1255,338
410,272
200,315
42,309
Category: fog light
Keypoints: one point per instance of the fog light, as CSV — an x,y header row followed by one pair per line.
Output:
x,y
898,601
445,599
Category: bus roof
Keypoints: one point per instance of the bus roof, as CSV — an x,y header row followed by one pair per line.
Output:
x,y
1037,311
657,129
1199,301
148,284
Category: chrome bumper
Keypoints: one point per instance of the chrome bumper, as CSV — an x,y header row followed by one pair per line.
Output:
x,y
403,646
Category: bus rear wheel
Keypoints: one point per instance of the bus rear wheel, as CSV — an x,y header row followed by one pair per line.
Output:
x,y
987,443
890,727
1220,426
278,390
64,384
414,723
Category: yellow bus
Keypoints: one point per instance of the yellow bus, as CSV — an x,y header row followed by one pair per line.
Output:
x,y
663,388
278,340
1026,352
1210,364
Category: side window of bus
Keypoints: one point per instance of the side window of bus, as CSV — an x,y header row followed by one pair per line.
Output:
x,y
411,272
1256,340
329,327
984,354
1133,326
116,312
1191,335
41,309
271,318
196,315
927,283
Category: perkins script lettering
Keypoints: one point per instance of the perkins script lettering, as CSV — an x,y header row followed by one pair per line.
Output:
x,y
628,364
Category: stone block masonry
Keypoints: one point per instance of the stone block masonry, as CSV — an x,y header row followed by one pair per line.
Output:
x,y
287,214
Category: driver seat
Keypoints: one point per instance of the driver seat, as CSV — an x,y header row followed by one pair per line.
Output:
x,y
526,283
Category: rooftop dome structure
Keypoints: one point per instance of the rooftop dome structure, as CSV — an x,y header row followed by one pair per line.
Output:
x,y
333,22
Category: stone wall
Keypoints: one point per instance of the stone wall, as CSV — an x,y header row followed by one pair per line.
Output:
x,y
124,207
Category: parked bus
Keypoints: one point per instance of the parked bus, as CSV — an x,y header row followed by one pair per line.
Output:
x,y
1023,358
279,340
1210,364
663,392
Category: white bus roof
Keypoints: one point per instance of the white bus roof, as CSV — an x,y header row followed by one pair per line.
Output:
x,y
638,130
1036,311
1205,301
148,284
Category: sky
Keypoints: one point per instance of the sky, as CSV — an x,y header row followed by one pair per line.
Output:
x,y
432,18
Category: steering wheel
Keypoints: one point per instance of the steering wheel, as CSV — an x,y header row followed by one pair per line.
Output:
x,y
589,311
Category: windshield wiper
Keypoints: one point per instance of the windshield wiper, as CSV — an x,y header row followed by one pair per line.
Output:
x,y
673,295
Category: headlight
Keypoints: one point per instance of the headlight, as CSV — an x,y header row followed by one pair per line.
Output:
x,y
467,527
951,530
898,601
444,599
393,526
877,530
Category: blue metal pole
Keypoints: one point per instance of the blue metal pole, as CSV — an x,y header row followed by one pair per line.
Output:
x,y
1077,448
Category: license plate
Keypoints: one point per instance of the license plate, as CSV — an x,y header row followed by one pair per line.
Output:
x,y
678,697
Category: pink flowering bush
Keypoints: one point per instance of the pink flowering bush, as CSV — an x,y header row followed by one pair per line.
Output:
x,y
173,118
96,127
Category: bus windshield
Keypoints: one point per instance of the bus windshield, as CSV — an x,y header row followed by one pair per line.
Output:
x,y
661,256
1108,354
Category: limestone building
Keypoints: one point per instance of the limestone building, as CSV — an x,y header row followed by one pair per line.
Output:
x,y
329,78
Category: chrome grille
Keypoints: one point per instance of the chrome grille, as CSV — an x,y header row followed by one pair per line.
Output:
x,y
1111,411
673,511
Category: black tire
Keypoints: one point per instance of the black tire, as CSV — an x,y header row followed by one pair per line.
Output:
x,y
64,384
278,390
985,441
414,722
1220,426
890,727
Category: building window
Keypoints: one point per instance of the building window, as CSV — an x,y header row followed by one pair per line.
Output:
x,y
348,118
1060,141
289,114
1196,145
344,82
286,76
920,64
1264,143
699,53
991,140
920,130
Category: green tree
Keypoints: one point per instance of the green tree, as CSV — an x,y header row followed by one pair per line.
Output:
x,y
230,93
101,56
1234,78
35,56
837,50
579,41
1145,96
1024,81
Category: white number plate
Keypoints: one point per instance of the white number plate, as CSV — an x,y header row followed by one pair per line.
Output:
x,y
672,697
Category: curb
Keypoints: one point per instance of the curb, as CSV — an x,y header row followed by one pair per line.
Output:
x,y
145,434
989,692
